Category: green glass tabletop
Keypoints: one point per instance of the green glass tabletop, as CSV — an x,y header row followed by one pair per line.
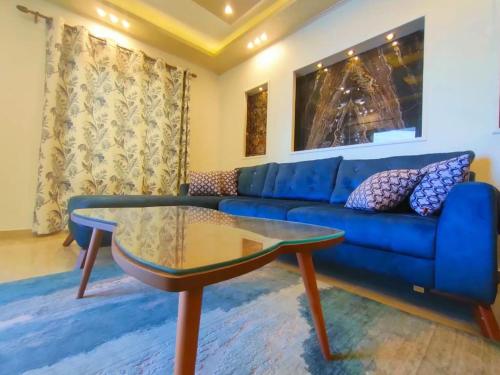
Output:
x,y
184,239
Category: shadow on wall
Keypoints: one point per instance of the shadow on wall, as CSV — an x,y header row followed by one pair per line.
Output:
x,y
482,168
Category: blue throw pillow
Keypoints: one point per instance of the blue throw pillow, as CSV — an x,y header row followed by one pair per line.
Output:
x,y
384,190
437,181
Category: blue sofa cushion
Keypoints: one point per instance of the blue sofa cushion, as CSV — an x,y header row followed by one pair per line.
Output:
x,y
353,172
251,180
407,234
308,180
261,207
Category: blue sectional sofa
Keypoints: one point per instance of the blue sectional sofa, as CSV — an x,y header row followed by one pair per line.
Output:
x,y
454,253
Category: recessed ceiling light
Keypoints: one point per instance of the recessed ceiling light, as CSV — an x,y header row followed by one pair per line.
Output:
x,y
250,45
263,37
113,18
125,24
256,41
319,65
395,43
325,70
260,89
228,9
356,58
101,12
389,36
350,52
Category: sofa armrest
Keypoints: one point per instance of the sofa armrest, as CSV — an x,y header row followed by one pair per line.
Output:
x,y
82,233
466,243
183,189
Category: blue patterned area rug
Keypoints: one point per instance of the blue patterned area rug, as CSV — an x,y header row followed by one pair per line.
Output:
x,y
255,324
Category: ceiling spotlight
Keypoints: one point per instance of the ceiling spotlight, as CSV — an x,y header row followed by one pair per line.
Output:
x,y
389,36
101,12
350,52
256,41
325,70
113,18
356,58
263,37
260,89
228,9
250,45
319,65
395,43
125,24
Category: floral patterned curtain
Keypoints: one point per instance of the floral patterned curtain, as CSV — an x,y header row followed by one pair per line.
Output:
x,y
114,122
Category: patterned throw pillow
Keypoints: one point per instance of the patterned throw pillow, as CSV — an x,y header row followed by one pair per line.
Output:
x,y
229,182
384,190
204,183
213,183
430,194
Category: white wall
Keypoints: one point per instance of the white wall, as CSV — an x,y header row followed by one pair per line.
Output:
x,y
461,80
22,57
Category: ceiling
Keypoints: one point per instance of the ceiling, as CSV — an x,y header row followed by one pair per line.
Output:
x,y
199,30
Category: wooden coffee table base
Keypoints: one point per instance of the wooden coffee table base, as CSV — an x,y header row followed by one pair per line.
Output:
x,y
190,288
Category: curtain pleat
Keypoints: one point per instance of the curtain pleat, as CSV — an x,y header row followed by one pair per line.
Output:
x,y
114,122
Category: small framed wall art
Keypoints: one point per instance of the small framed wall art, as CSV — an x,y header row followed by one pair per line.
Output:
x,y
256,121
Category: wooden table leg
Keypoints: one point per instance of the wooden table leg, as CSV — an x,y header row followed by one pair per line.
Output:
x,y
188,325
308,275
95,243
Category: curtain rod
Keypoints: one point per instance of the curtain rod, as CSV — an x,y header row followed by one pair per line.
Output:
x,y
49,20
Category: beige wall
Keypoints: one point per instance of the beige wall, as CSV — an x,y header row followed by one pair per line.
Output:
x,y
461,80
22,55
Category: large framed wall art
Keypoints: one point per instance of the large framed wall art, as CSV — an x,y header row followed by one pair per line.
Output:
x,y
370,93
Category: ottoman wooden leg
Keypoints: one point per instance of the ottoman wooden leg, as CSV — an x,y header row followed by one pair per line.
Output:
x,y
95,243
69,239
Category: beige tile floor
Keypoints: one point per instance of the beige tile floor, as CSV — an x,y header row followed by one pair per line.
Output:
x,y
24,256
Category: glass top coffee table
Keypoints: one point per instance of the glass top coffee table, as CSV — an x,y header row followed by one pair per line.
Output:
x,y
183,249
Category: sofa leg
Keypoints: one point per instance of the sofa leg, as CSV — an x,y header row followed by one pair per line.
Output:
x,y
69,239
486,320
80,261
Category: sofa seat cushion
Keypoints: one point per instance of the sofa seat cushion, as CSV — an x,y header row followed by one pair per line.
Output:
x,y
261,207
407,234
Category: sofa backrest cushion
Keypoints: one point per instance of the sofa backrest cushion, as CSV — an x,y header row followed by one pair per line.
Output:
x,y
311,180
251,180
353,172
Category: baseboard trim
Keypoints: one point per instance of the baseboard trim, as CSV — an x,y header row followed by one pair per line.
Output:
x,y
17,233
